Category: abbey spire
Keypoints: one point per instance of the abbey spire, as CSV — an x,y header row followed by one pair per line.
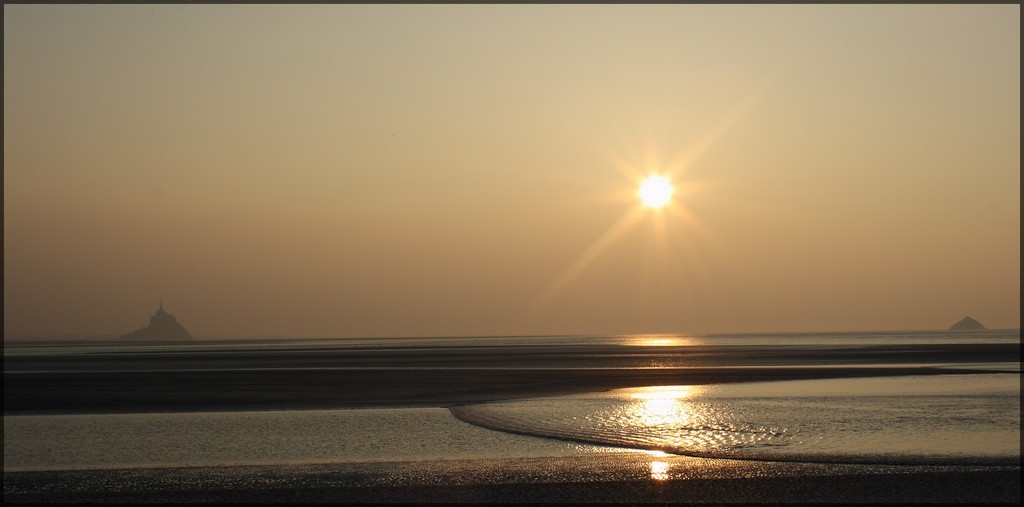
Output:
x,y
162,326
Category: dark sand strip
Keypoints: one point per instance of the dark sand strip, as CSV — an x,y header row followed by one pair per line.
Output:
x,y
338,377
512,356
215,390
616,478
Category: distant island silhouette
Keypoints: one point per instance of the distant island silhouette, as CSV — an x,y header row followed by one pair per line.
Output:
x,y
162,326
967,324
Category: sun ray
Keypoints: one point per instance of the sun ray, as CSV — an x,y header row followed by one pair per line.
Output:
x,y
667,173
624,224
685,159
660,237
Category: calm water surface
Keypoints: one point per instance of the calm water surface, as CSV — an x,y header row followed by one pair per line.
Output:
x,y
68,442
951,419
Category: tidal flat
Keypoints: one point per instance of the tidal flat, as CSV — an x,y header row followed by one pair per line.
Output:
x,y
376,420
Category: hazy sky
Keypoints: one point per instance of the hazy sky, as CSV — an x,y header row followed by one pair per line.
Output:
x,y
385,170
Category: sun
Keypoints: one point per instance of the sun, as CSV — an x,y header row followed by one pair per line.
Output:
x,y
655,191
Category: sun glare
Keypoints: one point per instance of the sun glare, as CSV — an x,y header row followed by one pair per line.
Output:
x,y
655,191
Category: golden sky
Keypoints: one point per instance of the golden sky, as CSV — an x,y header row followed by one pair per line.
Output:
x,y
386,170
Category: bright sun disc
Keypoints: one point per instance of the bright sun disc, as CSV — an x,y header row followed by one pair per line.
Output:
x,y
655,191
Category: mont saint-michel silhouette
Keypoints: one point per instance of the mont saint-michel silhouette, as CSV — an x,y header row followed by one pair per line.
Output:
x,y
162,326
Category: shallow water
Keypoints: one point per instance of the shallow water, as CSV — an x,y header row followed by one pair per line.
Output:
x,y
914,420
69,442
957,420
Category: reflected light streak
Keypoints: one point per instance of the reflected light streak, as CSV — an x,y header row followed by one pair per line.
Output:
x,y
660,411
663,405
659,470
662,341
666,392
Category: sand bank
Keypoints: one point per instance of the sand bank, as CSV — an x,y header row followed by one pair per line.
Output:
x,y
171,391
312,378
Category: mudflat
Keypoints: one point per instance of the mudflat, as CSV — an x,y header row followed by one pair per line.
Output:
x,y
615,478
343,378
327,377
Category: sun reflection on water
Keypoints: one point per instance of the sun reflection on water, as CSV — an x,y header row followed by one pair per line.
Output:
x,y
659,470
667,340
679,419
666,392
869,420
661,405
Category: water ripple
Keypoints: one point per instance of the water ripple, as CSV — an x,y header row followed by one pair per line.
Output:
x,y
912,420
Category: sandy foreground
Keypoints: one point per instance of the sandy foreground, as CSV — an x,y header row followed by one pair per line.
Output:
x,y
91,387
625,477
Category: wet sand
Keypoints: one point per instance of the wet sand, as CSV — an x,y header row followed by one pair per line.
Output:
x,y
333,378
308,379
618,478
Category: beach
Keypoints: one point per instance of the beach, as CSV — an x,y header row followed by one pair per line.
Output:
x,y
459,462
616,479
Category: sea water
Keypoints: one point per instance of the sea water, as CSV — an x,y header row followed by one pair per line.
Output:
x,y
945,419
956,419
29,348
105,441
